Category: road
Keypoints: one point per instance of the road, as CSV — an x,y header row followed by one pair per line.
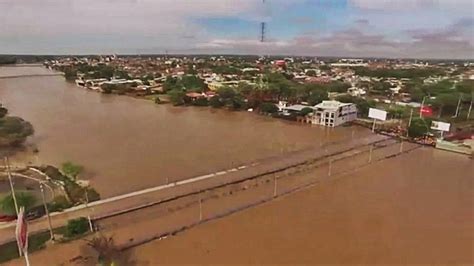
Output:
x,y
131,200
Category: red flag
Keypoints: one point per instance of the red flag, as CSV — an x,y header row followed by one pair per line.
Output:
x,y
22,230
426,111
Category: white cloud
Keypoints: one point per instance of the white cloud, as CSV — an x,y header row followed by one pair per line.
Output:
x,y
391,5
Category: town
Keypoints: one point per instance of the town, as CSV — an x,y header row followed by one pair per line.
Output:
x,y
324,91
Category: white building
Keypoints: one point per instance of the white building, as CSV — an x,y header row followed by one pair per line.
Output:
x,y
333,113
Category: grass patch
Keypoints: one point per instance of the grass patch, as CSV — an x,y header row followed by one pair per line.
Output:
x,y
9,251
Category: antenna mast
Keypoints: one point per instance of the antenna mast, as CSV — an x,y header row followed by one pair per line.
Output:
x,y
263,26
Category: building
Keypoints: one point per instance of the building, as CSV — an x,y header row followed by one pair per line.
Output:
x,y
333,113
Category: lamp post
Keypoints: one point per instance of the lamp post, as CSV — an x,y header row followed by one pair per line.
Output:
x,y
47,212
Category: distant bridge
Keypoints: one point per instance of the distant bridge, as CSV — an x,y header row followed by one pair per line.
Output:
x,y
31,75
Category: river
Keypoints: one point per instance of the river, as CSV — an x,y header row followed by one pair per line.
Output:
x,y
126,144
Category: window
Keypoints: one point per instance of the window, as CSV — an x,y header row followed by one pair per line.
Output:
x,y
332,115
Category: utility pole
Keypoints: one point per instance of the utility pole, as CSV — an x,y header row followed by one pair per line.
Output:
x,y
370,153
200,208
274,186
329,168
458,107
91,227
47,212
409,121
422,105
470,107
7,166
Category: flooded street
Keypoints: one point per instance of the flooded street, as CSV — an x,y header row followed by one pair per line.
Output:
x,y
126,144
410,210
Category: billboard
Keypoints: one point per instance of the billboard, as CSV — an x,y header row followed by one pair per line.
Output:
x,y
442,126
377,114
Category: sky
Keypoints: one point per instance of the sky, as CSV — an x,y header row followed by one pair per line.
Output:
x,y
352,28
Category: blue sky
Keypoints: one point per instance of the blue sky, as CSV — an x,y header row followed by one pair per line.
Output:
x,y
388,28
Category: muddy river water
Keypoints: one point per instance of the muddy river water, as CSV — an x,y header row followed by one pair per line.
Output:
x,y
126,144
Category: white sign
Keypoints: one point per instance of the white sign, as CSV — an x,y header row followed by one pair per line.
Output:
x,y
442,126
377,114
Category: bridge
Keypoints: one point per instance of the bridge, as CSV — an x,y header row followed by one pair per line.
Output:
x,y
166,192
31,75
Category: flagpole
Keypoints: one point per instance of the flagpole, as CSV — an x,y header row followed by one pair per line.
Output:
x,y
27,260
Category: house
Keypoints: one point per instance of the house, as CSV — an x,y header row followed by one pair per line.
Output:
x,y
333,113
296,108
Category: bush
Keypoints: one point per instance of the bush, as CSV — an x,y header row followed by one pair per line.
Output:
x,y
24,199
3,111
419,127
177,97
59,203
158,100
305,111
77,227
201,102
216,102
269,108
71,170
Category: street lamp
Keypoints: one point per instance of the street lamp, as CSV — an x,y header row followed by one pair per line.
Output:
x,y
47,212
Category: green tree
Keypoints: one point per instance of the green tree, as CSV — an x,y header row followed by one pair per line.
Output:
x,y
305,111
419,127
311,73
269,108
201,102
70,74
446,102
14,131
317,96
226,92
71,170
24,199
177,97
396,112
193,83
216,102
3,111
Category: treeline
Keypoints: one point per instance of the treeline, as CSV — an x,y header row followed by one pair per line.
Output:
x,y
398,73
94,72
271,88
7,60
444,96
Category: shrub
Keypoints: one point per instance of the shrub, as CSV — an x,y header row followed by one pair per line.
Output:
x,y
59,203
269,108
216,102
200,102
76,227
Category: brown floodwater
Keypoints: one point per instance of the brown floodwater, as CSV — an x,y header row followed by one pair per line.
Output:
x,y
126,144
416,209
